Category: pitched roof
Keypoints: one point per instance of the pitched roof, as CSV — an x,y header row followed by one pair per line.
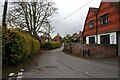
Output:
x,y
116,4
95,10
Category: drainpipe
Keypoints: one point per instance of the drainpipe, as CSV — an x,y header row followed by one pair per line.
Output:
x,y
96,29
117,43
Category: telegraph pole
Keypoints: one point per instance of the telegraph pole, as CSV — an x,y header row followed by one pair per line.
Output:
x,y
4,14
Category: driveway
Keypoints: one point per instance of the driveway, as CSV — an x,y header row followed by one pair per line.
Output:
x,y
56,64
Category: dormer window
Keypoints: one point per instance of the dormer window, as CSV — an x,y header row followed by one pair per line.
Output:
x,y
104,19
91,24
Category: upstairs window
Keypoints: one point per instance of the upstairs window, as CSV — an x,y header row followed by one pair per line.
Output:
x,y
104,19
91,24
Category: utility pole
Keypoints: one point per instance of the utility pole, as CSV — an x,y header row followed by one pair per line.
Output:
x,y
4,14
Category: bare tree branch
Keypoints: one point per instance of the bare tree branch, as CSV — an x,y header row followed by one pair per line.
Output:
x,y
33,16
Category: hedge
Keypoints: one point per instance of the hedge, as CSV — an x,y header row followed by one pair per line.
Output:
x,y
51,45
18,46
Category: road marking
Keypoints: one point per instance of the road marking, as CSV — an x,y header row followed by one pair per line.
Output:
x,y
11,74
20,74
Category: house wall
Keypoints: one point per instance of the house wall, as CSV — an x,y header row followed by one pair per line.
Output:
x,y
96,51
113,37
113,18
112,28
87,30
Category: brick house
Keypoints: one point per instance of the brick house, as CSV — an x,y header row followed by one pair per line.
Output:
x,y
77,37
90,26
102,24
57,38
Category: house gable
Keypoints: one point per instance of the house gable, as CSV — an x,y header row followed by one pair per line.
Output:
x,y
91,16
111,9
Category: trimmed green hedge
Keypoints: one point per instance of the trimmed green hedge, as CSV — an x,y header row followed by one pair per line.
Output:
x,y
51,45
18,46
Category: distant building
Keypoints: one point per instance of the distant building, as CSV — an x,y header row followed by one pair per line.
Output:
x,y
102,25
57,38
77,37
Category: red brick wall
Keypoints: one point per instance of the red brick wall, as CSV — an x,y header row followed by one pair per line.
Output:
x,y
113,18
101,51
87,30
96,51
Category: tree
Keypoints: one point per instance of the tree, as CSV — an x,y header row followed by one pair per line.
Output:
x,y
58,38
68,38
32,16
48,29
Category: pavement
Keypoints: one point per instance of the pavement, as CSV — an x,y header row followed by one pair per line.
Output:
x,y
56,64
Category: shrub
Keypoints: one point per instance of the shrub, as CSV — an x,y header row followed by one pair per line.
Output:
x,y
54,45
18,46
51,45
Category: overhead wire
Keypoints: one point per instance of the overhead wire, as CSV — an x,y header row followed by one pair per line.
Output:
x,y
72,13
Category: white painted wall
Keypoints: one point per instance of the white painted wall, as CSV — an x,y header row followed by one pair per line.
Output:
x,y
98,39
87,40
112,37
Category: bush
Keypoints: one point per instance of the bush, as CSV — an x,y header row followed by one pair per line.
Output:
x,y
54,45
51,45
18,46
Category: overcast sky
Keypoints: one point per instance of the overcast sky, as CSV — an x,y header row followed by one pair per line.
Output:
x,y
73,23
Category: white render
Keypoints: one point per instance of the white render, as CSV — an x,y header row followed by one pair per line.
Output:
x,y
113,38
87,40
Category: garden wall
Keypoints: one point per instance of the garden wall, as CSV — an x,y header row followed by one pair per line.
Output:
x,y
93,51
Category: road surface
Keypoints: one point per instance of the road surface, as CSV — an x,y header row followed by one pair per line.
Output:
x,y
56,64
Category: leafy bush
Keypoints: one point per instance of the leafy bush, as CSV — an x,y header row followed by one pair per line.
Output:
x,y
54,45
51,45
18,46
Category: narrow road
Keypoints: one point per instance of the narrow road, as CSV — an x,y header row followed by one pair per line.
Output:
x,y
56,64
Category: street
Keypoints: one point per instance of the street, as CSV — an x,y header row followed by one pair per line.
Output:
x,y
56,64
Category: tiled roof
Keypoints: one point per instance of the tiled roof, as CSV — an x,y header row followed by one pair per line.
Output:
x,y
116,4
95,10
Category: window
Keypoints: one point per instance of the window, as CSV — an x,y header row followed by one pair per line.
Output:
x,y
91,24
91,40
104,19
105,39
